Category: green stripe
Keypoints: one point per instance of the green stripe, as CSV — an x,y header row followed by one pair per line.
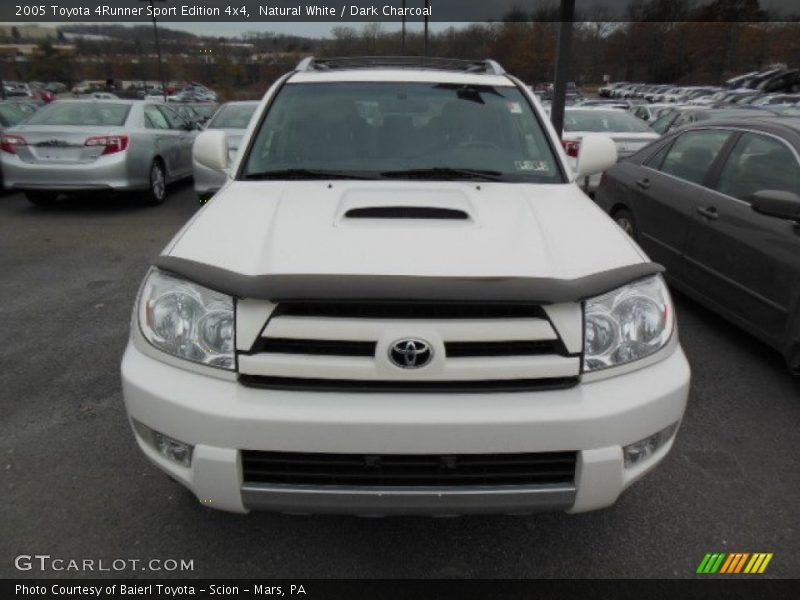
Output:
x,y
710,563
718,564
702,566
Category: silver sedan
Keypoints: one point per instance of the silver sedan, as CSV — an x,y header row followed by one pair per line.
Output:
x,y
232,118
94,145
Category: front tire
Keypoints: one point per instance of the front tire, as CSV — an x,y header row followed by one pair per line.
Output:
x,y
624,219
157,192
42,199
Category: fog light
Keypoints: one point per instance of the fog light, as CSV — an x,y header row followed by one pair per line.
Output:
x,y
166,446
640,451
173,449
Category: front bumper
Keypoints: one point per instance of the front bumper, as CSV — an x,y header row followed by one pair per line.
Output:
x,y
220,418
106,173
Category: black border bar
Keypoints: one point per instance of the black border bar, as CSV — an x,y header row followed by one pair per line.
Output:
x,y
450,11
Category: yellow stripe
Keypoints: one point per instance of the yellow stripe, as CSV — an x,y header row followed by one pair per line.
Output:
x,y
741,562
728,561
765,563
752,563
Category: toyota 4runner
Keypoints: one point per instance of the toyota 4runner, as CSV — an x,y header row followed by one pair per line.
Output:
x,y
400,302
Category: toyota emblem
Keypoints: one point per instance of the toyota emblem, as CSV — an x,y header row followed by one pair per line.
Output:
x,y
410,353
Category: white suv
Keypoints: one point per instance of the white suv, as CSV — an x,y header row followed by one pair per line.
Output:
x,y
400,302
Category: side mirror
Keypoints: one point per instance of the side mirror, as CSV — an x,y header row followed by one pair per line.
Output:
x,y
211,149
597,153
776,203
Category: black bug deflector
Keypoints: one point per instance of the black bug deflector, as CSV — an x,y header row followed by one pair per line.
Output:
x,y
388,288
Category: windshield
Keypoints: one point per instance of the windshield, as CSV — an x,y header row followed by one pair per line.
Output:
x,y
233,116
105,114
427,131
614,121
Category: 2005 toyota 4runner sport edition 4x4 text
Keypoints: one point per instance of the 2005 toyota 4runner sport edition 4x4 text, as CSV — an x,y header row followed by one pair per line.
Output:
x,y
400,302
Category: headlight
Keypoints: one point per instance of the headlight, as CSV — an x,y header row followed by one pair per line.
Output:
x,y
627,324
187,320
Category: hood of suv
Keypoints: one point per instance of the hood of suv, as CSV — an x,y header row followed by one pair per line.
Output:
x,y
456,229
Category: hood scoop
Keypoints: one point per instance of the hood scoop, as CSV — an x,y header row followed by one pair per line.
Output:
x,y
397,207
406,212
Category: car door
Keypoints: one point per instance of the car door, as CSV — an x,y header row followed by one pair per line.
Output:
x,y
746,263
184,136
667,192
166,139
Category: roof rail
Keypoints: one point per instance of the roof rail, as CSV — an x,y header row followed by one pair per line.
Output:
x,y
488,67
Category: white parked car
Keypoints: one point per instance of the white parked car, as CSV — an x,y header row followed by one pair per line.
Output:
x,y
232,118
102,96
650,112
401,302
629,133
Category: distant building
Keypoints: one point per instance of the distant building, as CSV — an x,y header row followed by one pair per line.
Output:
x,y
89,37
28,32
31,49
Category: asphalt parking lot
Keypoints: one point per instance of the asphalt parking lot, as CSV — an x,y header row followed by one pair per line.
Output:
x,y
76,486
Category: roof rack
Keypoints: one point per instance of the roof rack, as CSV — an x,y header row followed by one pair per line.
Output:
x,y
488,67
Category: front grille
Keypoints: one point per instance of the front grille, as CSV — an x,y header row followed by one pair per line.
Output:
x,y
399,386
348,347
408,310
317,347
519,348
453,349
408,470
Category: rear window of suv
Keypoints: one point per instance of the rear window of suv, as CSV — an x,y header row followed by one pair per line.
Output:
x,y
375,128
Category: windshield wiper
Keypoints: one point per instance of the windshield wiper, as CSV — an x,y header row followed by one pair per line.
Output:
x,y
308,174
446,173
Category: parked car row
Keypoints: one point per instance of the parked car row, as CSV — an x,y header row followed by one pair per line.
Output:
x,y
776,85
34,91
656,92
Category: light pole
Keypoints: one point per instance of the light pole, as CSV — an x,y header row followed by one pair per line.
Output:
x,y
567,16
158,48
403,36
426,27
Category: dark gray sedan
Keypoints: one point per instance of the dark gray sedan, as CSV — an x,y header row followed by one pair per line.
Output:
x,y
96,145
718,205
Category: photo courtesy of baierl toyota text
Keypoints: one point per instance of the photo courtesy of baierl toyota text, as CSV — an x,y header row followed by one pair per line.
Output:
x,y
400,299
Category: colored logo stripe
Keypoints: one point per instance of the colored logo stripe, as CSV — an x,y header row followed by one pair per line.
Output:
x,y
734,562
758,563
710,563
